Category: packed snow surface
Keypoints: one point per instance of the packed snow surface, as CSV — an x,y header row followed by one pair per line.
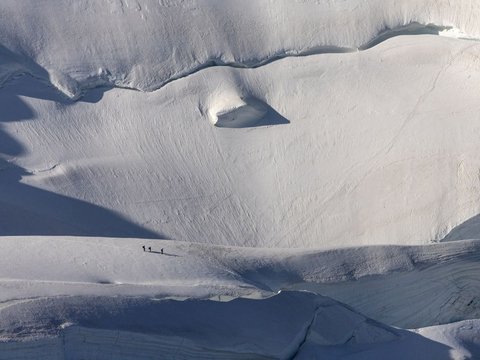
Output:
x,y
85,42
330,150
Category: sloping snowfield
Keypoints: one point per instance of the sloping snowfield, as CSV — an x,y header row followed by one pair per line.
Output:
x,y
310,169
77,297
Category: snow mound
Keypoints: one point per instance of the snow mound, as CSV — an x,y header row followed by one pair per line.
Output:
x,y
65,84
242,112
235,112
463,337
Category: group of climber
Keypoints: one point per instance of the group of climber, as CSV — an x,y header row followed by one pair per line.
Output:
x,y
150,249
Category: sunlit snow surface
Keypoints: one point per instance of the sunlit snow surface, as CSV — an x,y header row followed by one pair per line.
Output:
x,y
274,148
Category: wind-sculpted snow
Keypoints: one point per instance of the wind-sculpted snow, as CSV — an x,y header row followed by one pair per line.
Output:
x,y
410,287
427,294
231,111
270,328
328,146
114,299
144,44
372,147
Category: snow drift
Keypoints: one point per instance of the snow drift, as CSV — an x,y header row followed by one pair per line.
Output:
x,y
169,40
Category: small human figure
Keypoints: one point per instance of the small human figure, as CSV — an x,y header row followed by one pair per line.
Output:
x,y
161,251
150,249
143,246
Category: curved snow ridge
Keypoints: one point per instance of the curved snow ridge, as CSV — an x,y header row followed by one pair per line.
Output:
x,y
413,286
408,286
439,294
274,272
290,325
73,85
412,29
166,42
237,329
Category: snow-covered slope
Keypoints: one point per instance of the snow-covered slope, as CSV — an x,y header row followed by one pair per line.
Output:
x,y
143,44
403,286
275,146
375,147
336,332
200,329
109,297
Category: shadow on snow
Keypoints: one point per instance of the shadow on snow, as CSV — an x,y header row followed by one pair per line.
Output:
x,y
27,210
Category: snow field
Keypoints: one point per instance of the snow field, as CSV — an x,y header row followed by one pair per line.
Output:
x,y
168,42
348,156
409,287
108,297
336,154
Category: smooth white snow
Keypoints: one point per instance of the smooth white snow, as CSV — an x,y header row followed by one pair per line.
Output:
x,y
376,147
327,145
91,45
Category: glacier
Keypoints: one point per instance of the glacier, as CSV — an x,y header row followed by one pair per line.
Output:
x,y
305,171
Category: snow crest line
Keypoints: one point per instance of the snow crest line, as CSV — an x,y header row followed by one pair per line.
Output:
x,y
411,29
74,90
